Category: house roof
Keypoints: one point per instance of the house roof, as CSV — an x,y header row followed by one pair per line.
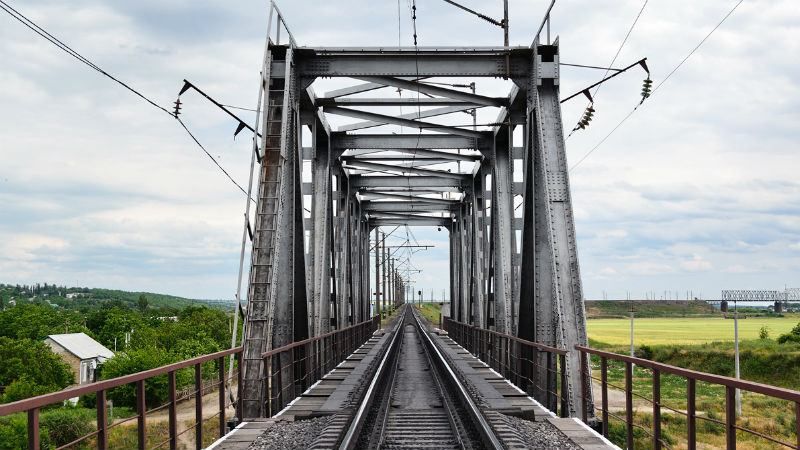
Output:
x,y
81,345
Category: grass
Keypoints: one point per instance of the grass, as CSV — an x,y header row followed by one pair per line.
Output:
x,y
430,311
704,344
685,331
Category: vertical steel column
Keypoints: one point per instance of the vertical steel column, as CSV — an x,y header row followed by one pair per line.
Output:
x,y
384,257
560,293
320,233
502,215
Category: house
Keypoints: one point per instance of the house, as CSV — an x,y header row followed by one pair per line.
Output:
x,y
82,353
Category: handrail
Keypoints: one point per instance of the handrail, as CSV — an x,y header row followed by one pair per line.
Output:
x,y
286,347
691,414
531,366
77,391
542,347
759,388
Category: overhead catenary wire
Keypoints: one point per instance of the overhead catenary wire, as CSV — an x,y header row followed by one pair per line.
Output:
x,y
614,59
675,69
75,54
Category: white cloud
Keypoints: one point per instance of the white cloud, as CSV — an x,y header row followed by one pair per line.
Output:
x,y
91,173
696,264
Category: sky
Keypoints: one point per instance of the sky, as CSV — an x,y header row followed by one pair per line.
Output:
x,y
696,192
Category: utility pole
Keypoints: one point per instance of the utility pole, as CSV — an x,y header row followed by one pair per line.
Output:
x,y
383,269
736,352
377,273
392,285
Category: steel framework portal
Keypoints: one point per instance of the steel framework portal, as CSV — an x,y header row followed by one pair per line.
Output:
x,y
513,255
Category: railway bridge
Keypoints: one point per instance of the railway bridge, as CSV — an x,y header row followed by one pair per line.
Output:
x,y
501,190
509,367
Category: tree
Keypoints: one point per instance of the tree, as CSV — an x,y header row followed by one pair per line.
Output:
x,y
138,360
791,337
30,368
142,303
36,322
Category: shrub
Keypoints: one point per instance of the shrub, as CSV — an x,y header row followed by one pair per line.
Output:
x,y
64,425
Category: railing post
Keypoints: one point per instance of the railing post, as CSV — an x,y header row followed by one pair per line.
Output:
x,y
102,421
548,383
629,404
198,406
222,384
656,409
239,396
604,393
141,410
691,414
33,429
584,387
797,422
173,412
564,391
730,417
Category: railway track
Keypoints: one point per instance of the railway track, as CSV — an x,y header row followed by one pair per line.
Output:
x,y
416,401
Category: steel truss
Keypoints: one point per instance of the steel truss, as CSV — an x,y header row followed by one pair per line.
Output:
x,y
513,255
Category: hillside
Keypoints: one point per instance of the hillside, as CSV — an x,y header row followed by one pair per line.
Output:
x,y
648,308
76,297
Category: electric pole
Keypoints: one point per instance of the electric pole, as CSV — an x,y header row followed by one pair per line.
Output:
x,y
377,273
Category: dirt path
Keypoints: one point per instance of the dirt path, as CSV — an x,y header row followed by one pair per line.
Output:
x,y
185,413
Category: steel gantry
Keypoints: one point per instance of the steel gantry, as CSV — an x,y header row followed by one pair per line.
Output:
x,y
321,192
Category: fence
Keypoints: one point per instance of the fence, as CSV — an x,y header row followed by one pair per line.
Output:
x,y
291,369
528,365
691,414
32,406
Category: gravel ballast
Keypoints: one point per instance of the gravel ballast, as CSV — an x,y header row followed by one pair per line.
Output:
x,y
284,435
541,435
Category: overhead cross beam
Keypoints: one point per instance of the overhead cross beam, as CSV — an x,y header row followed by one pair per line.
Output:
x,y
358,164
437,90
402,119
394,101
382,119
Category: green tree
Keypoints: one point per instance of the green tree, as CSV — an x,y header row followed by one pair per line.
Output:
x,y
30,368
142,302
36,322
138,360
792,336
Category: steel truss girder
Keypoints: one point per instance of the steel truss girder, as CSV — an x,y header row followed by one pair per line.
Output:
x,y
416,153
404,141
417,86
406,207
414,198
397,101
359,164
410,62
407,120
381,181
430,222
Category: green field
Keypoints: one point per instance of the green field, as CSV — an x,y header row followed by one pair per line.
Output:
x,y
677,331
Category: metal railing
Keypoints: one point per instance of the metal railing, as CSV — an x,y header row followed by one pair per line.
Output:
x,y
691,414
537,369
293,368
33,405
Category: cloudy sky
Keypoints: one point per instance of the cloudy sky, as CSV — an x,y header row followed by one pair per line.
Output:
x,y
697,191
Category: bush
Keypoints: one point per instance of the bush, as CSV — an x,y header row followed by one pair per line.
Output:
x,y
792,336
132,361
763,333
644,352
14,432
64,425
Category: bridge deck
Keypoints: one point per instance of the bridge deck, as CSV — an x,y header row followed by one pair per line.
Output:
x,y
339,387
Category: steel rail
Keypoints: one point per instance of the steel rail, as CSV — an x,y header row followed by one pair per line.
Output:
x,y
351,438
488,435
